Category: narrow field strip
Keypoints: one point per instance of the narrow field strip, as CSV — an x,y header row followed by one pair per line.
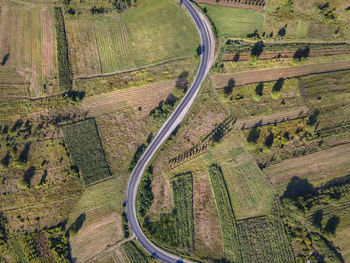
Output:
x,y
243,78
272,119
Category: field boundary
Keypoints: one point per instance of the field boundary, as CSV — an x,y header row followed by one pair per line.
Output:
x,y
110,74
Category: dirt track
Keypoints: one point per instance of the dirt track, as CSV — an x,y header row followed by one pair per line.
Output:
x,y
243,78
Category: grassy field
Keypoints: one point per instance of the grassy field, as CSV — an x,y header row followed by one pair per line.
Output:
x,y
229,233
249,189
183,201
234,22
317,168
28,47
85,149
138,37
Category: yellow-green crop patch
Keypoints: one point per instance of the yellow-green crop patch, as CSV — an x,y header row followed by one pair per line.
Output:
x,y
153,32
234,22
250,191
85,149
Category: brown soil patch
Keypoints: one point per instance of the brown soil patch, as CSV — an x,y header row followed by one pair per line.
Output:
x,y
47,44
243,78
140,99
272,119
207,236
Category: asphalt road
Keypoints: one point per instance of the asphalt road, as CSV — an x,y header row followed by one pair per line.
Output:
x,y
172,122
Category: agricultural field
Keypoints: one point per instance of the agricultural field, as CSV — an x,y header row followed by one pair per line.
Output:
x,y
318,168
27,51
136,38
182,186
227,220
84,145
249,189
234,22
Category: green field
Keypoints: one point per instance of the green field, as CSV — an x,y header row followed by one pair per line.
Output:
x,y
138,37
183,201
227,220
84,146
249,189
234,22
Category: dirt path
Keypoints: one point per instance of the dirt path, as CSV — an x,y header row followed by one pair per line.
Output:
x,y
243,78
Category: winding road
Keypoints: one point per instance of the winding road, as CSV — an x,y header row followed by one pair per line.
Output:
x,y
173,121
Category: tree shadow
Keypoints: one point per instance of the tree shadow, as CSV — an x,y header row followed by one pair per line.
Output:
x,y
77,224
269,140
259,89
278,85
302,53
317,219
254,134
332,224
5,59
236,57
229,87
299,186
23,157
29,174
257,49
282,32
182,81
313,117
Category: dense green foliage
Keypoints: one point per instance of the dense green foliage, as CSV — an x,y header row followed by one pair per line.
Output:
x,y
45,246
225,212
3,237
183,201
64,73
135,254
84,146
163,230
144,194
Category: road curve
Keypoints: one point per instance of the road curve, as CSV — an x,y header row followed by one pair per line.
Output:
x,y
175,119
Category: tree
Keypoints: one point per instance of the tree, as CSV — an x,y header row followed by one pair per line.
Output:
x,y
182,81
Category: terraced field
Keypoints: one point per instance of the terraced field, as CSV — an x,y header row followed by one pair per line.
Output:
x,y
140,99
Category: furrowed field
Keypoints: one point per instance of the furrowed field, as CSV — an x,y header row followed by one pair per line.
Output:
x,y
183,193
134,253
85,149
229,233
249,189
27,48
117,42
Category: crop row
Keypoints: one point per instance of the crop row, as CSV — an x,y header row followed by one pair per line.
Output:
x,y
227,221
279,242
85,149
255,243
134,254
182,192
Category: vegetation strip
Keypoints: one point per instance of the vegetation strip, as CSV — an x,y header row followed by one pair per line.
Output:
x,y
183,201
227,221
64,73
